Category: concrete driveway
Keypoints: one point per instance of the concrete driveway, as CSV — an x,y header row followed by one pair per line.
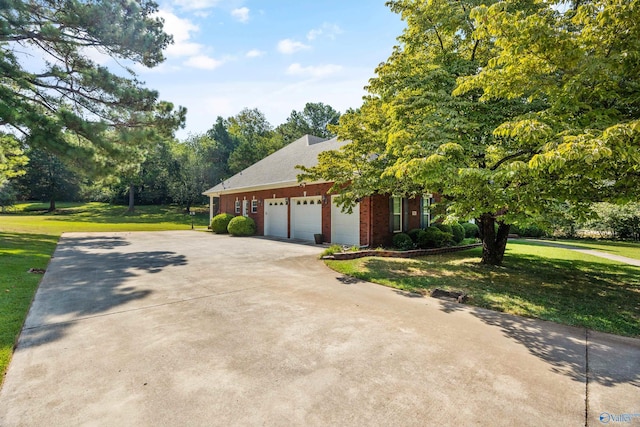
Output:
x,y
189,328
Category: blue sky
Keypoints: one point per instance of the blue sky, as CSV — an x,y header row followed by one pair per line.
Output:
x,y
272,55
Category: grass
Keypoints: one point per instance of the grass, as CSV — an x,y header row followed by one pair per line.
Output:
x,y
626,249
535,281
28,237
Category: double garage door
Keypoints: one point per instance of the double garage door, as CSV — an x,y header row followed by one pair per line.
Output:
x,y
306,220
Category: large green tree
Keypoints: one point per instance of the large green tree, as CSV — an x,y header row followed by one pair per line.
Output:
x,y
506,109
412,135
255,136
315,119
580,61
50,87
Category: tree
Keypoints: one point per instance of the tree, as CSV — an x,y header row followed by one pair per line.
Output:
x,y
223,144
579,60
190,176
49,179
63,92
314,119
255,136
12,158
412,135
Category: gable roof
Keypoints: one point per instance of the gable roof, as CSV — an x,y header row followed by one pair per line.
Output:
x,y
279,168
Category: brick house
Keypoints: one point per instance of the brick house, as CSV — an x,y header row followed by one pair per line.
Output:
x,y
270,193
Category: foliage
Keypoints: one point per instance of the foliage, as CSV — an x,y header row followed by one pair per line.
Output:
x,y
220,222
577,58
315,119
414,234
7,195
433,237
402,241
190,176
498,106
242,226
535,281
12,158
255,136
530,230
458,233
62,101
617,221
470,229
445,228
333,249
48,178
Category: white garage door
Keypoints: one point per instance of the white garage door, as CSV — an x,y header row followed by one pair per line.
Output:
x,y
345,228
275,218
306,217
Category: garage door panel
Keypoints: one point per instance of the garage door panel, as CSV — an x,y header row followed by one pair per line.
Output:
x,y
345,227
306,217
275,218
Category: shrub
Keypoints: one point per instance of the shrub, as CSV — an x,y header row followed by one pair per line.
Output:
x,y
445,228
414,234
458,233
242,226
433,237
333,249
219,223
402,241
470,230
532,231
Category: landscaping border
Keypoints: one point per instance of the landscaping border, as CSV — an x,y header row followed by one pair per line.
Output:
x,y
399,254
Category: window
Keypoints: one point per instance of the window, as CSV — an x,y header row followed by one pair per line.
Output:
x,y
245,208
396,215
237,206
425,218
254,206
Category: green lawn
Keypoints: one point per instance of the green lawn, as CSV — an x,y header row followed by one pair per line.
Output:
x,y
627,249
29,235
535,281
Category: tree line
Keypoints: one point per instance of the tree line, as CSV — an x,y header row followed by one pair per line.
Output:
x,y
170,170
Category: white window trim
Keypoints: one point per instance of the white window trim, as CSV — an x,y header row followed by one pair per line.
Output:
x,y
426,204
254,206
237,210
399,214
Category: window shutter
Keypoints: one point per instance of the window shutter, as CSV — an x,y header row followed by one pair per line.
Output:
x,y
405,215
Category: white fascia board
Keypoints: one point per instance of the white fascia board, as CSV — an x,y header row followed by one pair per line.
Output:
x,y
272,186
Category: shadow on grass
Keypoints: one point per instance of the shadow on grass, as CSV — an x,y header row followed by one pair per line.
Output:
x,y
86,278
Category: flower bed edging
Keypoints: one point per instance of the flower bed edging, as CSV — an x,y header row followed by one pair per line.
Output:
x,y
399,254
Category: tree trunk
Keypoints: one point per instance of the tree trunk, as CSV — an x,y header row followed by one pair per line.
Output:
x,y
52,204
493,243
132,207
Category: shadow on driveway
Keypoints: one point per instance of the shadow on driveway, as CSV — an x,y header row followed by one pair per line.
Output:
x,y
86,277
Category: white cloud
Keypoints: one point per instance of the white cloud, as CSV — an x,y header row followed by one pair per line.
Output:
x,y
318,71
326,30
241,14
181,30
289,46
203,62
254,53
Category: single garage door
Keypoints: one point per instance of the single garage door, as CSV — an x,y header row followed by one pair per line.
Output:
x,y
345,228
306,217
275,218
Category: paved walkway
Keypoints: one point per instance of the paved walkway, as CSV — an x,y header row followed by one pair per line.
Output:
x,y
189,328
622,259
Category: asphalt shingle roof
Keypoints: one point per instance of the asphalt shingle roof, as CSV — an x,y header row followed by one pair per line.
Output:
x,y
279,167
